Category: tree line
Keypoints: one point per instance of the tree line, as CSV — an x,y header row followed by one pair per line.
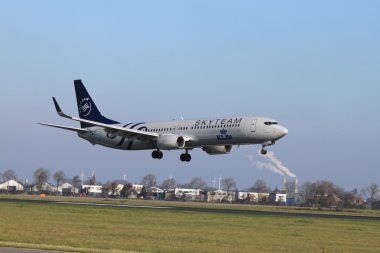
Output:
x,y
319,193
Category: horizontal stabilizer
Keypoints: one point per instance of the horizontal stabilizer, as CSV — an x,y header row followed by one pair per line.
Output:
x,y
79,130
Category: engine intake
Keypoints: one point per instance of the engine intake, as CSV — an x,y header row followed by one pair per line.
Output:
x,y
170,141
218,150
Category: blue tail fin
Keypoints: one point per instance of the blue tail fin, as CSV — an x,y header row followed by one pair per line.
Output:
x,y
87,108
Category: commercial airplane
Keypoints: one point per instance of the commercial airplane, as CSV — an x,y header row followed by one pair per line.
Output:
x,y
215,136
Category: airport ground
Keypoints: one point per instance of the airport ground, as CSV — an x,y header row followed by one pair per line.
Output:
x,y
83,228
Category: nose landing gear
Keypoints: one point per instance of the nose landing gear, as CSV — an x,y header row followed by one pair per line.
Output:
x,y
263,151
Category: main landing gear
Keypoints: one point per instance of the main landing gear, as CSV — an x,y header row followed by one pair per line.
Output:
x,y
157,154
185,157
265,144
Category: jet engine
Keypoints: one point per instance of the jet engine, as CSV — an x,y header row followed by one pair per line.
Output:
x,y
217,150
170,141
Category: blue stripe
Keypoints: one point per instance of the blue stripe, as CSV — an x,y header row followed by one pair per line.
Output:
x,y
136,125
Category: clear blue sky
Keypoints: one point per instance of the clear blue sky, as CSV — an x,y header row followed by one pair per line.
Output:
x,y
312,65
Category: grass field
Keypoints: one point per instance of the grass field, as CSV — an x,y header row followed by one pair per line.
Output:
x,y
108,229
364,212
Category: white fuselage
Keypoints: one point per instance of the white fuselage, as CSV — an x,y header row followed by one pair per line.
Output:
x,y
215,136
197,133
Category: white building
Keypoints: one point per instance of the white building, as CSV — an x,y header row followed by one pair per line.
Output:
x,y
117,190
278,198
44,187
67,188
250,197
137,188
154,193
221,196
187,194
11,185
92,189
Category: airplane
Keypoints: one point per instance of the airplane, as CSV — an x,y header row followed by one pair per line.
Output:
x,y
214,136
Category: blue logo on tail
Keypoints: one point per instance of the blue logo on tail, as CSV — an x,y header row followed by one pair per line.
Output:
x,y
85,107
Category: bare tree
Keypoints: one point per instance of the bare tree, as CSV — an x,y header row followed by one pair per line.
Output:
x,y
259,186
322,193
149,180
197,183
114,186
126,188
371,193
9,175
229,184
76,182
168,183
91,180
59,177
290,186
41,176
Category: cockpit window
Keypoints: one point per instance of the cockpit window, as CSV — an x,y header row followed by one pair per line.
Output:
x,y
268,123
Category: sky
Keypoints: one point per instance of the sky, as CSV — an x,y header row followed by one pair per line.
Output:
x,y
311,65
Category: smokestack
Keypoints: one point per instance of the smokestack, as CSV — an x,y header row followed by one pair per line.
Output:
x,y
296,185
284,183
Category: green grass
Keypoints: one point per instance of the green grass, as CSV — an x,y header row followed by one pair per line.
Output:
x,y
363,212
108,229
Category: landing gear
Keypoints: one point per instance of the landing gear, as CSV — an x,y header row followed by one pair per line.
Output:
x,y
157,154
185,157
265,144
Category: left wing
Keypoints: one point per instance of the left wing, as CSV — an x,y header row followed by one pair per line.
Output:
x,y
74,129
114,130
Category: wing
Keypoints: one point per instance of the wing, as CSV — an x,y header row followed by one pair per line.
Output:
x,y
74,129
112,129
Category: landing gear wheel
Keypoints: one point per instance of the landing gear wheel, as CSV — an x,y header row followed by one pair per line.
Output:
x,y
157,154
264,151
185,157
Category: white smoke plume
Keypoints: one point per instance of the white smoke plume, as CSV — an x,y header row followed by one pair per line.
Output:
x,y
274,164
263,165
269,166
278,164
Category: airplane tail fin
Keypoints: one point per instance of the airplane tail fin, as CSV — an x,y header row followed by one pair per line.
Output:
x,y
87,108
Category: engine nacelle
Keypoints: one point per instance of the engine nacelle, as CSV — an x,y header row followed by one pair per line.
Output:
x,y
218,150
170,141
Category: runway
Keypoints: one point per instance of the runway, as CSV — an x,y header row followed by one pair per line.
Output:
x,y
207,210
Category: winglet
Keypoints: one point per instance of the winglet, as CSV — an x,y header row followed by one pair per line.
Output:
x,y
58,109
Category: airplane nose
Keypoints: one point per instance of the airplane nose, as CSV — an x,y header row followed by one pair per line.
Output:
x,y
284,131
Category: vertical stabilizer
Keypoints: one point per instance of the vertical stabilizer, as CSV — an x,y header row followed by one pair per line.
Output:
x,y
87,108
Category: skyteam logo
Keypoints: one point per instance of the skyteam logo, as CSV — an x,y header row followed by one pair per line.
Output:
x,y
223,135
85,107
